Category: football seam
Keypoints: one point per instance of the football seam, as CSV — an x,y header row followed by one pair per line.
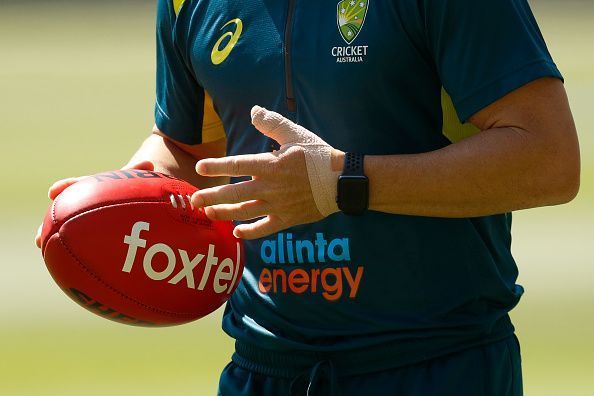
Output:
x,y
113,289
101,205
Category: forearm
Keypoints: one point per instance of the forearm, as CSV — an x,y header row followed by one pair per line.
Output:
x,y
496,171
527,155
168,158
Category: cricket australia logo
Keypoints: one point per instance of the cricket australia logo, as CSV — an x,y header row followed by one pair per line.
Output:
x,y
350,17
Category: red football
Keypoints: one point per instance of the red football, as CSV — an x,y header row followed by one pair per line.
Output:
x,y
129,246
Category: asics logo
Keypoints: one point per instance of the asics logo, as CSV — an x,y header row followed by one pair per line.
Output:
x,y
218,54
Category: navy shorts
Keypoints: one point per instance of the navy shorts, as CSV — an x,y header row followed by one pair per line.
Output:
x,y
488,370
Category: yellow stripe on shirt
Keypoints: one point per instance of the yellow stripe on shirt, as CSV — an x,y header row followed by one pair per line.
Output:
x,y
177,5
453,129
212,126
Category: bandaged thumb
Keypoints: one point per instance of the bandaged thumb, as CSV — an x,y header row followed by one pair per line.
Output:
x,y
318,154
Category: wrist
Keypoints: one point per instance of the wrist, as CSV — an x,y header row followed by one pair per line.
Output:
x,y
337,160
353,186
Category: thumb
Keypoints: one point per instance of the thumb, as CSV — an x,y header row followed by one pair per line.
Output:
x,y
277,127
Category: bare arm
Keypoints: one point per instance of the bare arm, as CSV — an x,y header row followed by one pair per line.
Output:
x,y
179,159
527,156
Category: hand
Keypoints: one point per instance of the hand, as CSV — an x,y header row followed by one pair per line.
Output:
x,y
59,186
291,186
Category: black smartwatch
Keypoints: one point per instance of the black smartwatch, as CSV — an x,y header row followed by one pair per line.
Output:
x,y
353,186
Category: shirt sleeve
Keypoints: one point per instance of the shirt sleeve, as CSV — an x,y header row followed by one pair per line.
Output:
x,y
485,49
179,108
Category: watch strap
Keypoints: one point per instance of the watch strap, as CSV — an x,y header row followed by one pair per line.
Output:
x,y
353,164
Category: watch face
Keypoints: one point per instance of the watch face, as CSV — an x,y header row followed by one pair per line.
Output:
x,y
353,194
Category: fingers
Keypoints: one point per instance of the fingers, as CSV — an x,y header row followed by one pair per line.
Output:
x,y
38,237
59,186
275,126
243,211
236,202
226,194
237,165
261,228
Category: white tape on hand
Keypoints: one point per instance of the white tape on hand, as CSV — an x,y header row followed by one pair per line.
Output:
x,y
318,154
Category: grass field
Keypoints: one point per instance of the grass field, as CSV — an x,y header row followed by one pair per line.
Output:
x,y
76,85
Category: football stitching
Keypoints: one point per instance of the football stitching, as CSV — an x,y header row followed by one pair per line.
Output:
x,y
93,275
114,202
102,205
157,310
54,221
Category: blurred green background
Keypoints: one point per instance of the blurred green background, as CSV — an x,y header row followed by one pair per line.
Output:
x,y
76,94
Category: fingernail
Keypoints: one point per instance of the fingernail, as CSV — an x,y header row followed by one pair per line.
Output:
x,y
200,168
209,213
197,200
255,110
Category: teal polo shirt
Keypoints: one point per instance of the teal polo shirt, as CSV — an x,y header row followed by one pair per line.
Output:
x,y
379,78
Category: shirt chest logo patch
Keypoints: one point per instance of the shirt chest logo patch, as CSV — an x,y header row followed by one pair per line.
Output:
x,y
220,52
350,17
